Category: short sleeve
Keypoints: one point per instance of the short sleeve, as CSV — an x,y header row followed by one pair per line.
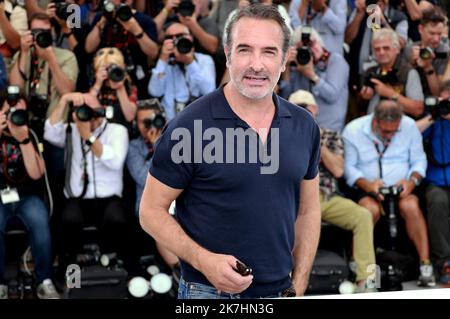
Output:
x,y
172,161
314,160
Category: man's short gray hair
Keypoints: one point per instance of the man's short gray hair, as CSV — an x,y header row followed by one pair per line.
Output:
x,y
386,33
260,12
388,111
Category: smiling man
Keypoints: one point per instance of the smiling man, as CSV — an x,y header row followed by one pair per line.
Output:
x,y
230,211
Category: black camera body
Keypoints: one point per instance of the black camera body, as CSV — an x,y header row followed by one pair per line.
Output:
x,y
437,108
386,77
38,105
85,113
304,54
61,10
157,121
393,190
183,45
122,12
116,73
42,37
186,8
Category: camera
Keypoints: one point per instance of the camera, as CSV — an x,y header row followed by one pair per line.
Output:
x,y
304,54
254,2
183,45
108,9
393,190
157,121
85,113
437,108
43,37
61,10
387,77
124,12
17,117
116,73
186,8
426,53
38,104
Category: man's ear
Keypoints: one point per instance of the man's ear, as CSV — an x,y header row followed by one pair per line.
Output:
x,y
225,50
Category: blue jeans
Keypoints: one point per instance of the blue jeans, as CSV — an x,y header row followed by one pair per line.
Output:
x,y
193,290
34,214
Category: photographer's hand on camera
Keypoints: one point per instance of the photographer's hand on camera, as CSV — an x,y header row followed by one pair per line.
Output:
x,y
408,187
219,270
100,76
167,49
153,135
371,187
26,41
383,90
367,92
319,6
308,71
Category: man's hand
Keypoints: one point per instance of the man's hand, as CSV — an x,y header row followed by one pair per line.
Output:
x,y
76,98
373,188
167,49
46,54
367,92
360,6
408,187
131,26
319,5
153,134
100,76
307,70
51,12
171,4
219,270
26,41
188,21
383,90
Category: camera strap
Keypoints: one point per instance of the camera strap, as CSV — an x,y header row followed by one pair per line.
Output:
x,y
35,76
380,155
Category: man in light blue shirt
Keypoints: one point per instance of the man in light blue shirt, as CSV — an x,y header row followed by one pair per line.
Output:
x,y
177,78
325,76
329,18
384,149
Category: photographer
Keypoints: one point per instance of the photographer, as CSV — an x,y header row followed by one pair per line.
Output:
x,y
21,194
44,72
327,17
385,149
13,22
194,15
325,74
181,75
393,78
436,132
430,54
136,38
150,122
112,85
93,172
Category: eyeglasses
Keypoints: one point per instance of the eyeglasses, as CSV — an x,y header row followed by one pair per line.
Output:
x,y
102,51
386,131
175,36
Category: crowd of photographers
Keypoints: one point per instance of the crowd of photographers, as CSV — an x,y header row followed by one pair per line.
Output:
x,y
88,85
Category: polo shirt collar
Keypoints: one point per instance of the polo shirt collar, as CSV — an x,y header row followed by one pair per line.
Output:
x,y
221,109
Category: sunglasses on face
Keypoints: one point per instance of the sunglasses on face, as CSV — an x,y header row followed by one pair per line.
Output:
x,y
175,36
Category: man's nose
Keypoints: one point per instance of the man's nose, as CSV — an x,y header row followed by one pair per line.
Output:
x,y
256,62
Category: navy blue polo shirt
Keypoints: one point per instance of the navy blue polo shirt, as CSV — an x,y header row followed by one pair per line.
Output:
x,y
232,208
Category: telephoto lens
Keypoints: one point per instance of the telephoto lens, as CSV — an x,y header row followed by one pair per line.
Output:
x,y
108,9
116,73
157,121
186,8
426,53
42,37
61,10
184,45
124,12
13,95
304,55
84,113
18,117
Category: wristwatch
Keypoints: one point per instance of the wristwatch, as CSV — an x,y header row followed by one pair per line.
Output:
x,y
415,180
315,79
395,97
25,141
90,140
